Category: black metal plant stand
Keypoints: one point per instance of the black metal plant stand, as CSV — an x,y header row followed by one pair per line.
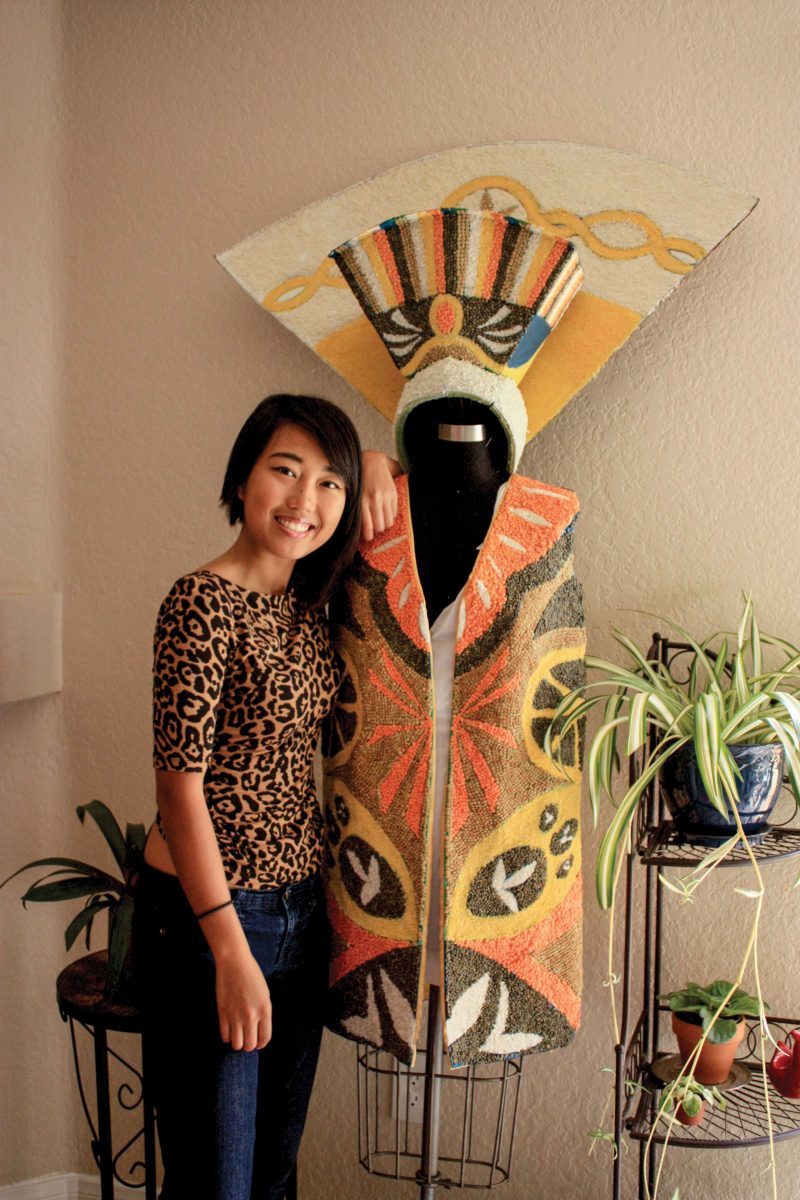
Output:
x,y
743,1122
432,1124
79,990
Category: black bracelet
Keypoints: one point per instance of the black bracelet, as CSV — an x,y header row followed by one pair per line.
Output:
x,y
216,908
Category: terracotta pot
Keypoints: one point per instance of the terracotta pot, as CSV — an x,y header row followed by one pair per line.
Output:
x,y
681,1115
716,1059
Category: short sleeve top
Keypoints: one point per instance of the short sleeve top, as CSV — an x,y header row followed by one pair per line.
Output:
x,y
241,684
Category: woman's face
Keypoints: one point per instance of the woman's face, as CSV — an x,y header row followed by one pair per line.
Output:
x,y
293,499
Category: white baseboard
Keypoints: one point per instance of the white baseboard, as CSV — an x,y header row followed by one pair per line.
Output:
x,y
65,1187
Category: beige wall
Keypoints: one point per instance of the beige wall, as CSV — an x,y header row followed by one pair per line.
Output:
x,y
142,136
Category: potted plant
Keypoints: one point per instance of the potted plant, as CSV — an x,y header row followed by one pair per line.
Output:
x,y
101,892
728,702
713,1014
689,1099
735,689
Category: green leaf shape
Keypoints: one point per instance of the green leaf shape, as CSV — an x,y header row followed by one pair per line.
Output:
x,y
705,1000
107,823
119,944
691,1104
722,1030
83,920
691,1095
67,864
62,889
618,830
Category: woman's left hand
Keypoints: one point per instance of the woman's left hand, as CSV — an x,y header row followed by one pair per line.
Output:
x,y
379,495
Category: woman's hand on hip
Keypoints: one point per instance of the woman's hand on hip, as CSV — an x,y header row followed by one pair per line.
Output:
x,y
243,1002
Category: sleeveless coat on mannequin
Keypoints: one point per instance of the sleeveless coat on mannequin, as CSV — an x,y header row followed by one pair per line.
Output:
x,y
480,892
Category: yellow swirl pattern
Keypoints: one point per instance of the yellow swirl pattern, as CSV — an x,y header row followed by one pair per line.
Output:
x,y
297,291
563,223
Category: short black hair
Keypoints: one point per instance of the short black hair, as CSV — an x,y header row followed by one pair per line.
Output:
x,y
315,576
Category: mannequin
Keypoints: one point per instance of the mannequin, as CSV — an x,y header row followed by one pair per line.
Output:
x,y
453,861
457,454
453,485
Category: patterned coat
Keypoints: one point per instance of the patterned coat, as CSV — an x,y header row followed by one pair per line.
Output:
x,y
511,897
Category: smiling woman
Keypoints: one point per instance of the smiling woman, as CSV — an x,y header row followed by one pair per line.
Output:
x,y
293,501
294,486
231,939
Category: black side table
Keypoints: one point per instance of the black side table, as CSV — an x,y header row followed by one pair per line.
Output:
x,y
79,990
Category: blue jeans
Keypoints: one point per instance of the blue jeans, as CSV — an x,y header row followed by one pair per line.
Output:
x,y
229,1121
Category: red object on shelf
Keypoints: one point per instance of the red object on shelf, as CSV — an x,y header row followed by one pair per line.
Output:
x,y
784,1069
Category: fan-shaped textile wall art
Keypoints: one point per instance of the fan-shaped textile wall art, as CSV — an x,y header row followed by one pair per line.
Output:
x,y
639,227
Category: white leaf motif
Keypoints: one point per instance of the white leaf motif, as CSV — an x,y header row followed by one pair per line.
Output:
x,y
504,884
400,1010
500,1042
367,1028
371,878
467,1009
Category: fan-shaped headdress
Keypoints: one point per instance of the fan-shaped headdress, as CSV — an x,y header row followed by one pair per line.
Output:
x,y
640,227
462,302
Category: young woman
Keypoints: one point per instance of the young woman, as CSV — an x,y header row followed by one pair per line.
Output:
x,y
231,934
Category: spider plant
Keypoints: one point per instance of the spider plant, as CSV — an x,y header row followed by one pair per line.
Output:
x,y
729,698
72,879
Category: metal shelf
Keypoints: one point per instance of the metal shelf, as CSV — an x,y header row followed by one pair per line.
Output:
x,y
663,846
637,1091
743,1122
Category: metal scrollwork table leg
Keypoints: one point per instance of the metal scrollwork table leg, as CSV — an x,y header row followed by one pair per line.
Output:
x,y
79,990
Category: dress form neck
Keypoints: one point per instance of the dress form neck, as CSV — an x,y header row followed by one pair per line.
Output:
x,y
453,487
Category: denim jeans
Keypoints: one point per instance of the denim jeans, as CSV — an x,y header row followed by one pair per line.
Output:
x,y
229,1121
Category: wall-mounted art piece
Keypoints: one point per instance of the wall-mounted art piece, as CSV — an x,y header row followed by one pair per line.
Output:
x,y
639,227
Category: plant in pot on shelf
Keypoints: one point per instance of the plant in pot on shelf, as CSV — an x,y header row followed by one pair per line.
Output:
x,y
72,879
713,1015
689,1099
739,693
703,733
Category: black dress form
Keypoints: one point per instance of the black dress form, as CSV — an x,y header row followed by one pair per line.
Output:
x,y
452,491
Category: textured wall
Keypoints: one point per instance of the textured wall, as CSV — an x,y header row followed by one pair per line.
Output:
x,y
145,136
33,1060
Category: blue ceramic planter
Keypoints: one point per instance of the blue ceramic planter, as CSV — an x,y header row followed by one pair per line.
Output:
x,y
696,817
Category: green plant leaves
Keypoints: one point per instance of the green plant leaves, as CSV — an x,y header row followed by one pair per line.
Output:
x,y
721,1030
617,832
62,889
724,701
706,1001
107,824
73,865
83,920
73,879
119,945
691,1103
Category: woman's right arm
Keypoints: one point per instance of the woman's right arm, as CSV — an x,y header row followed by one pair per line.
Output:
x,y
192,644
243,1000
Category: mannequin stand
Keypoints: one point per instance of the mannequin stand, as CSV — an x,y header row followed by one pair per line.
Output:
x,y
464,1134
428,1175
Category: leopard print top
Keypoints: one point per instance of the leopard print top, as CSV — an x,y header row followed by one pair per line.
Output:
x,y
241,684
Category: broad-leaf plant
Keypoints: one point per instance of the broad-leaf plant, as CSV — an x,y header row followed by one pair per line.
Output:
x,y
100,891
